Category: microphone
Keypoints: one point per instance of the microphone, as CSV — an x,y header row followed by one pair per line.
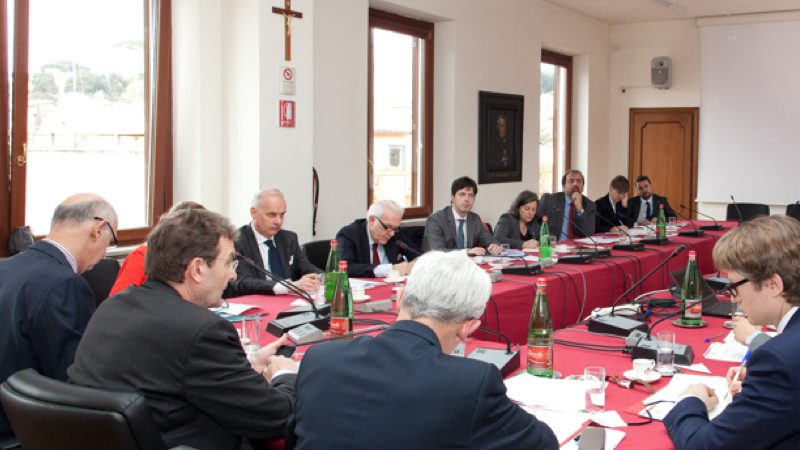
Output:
x,y
693,233
295,318
507,361
405,247
736,205
527,271
621,326
642,346
715,227
630,246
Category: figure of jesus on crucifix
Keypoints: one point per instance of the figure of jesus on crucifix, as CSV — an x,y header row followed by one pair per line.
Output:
x,y
287,14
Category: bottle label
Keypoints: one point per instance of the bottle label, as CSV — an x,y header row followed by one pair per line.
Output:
x,y
539,356
339,326
695,311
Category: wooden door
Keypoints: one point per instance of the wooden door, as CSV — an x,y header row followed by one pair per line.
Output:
x,y
663,146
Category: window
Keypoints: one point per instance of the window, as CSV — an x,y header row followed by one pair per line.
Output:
x,y
89,109
555,97
400,150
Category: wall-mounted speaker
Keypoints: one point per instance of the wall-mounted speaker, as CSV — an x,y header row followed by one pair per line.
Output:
x,y
661,72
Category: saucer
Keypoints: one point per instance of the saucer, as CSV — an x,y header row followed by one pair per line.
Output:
x,y
677,323
650,376
361,298
394,280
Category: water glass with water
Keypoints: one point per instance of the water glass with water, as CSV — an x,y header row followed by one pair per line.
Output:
x,y
249,333
554,249
665,352
594,380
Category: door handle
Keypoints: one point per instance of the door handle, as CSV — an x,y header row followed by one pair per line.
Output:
x,y
23,158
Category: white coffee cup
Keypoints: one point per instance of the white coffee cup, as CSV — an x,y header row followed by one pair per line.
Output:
x,y
358,292
642,367
393,274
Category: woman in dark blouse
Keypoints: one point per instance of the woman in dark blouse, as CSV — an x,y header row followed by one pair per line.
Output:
x,y
519,227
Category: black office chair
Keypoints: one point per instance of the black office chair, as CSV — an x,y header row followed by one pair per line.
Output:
x,y
50,414
793,210
749,211
317,252
101,277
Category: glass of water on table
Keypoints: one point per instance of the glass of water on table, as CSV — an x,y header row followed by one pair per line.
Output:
x,y
665,353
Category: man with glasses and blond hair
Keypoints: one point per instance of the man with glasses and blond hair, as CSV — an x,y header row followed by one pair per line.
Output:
x,y
45,304
161,340
762,259
403,389
371,246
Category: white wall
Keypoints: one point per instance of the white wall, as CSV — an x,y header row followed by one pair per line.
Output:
x,y
226,99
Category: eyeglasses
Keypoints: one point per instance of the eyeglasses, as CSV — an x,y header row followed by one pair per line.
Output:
x,y
233,265
113,235
732,287
386,227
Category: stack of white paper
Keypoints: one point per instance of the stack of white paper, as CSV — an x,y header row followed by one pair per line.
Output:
x,y
669,395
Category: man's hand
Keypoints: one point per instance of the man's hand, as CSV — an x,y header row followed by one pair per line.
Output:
x,y
735,385
479,251
277,363
495,249
403,267
624,200
619,228
309,282
742,329
704,393
260,358
577,201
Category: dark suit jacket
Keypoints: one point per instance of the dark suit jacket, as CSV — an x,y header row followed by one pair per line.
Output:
x,y
507,230
399,391
552,206
44,308
354,248
440,231
765,414
635,203
604,210
189,365
251,281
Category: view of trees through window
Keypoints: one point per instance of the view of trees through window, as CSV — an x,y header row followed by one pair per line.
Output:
x,y
554,117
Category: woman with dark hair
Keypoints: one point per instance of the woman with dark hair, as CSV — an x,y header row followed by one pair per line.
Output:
x,y
519,226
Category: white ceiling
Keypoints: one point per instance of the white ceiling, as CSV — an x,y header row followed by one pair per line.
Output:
x,y
632,11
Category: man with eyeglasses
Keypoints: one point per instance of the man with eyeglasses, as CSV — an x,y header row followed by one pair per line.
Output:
x,y
265,242
161,340
760,258
371,246
45,304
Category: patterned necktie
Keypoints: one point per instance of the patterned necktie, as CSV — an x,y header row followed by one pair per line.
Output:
x,y
570,228
274,259
376,258
461,240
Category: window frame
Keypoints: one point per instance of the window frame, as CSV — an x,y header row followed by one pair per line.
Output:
x,y
564,61
422,30
158,118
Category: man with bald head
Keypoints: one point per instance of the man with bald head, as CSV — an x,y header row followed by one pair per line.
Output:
x,y
44,302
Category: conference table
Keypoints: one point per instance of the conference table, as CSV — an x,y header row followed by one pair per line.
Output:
x,y
568,360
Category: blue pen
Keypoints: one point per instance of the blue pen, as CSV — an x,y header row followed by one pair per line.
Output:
x,y
739,371
716,336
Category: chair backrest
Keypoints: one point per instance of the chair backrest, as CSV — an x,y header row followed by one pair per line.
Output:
x,y
47,414
101,277
413,234
793,210
317,252
749,211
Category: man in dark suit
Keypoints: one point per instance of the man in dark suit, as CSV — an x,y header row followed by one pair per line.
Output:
x,y
160,339
569,213
272,248
643,209
44,302
456,227
403,389
760,258
613,208
370,246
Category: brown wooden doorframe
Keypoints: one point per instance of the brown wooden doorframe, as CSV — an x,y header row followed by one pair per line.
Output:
x,y
663,145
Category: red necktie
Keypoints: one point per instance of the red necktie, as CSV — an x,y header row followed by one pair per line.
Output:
x,y
376,259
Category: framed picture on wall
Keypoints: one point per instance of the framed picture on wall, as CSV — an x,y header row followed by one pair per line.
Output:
x,y
499,137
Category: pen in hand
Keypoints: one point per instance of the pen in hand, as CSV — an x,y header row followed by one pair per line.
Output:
x,y
738,373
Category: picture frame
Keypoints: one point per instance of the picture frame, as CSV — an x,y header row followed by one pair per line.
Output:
x,y
499,137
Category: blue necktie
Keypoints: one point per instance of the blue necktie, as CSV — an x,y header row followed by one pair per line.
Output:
x,y
274,258
649,211
461,240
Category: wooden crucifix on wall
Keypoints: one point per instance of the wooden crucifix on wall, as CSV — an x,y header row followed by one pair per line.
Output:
x,y
287,14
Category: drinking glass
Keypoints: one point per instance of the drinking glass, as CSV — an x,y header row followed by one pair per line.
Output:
x,y
594,380
665,352
249,333
554,249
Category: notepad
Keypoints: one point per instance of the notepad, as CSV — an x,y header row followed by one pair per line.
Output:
x,y
669,395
